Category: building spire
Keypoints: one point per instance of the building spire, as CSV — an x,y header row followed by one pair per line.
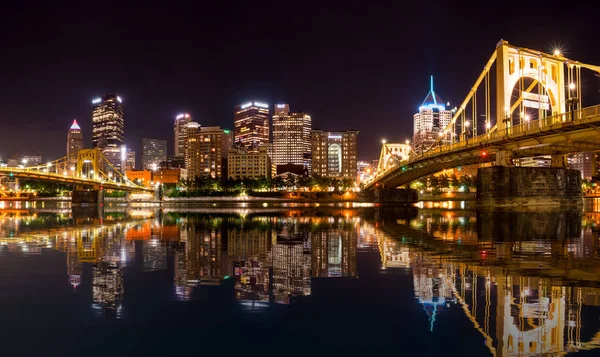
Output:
x,y
75,126
431,90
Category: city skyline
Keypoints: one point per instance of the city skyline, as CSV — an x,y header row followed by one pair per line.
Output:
x,y
344,76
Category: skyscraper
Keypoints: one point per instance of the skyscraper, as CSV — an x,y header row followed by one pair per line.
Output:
x,y
205,151
430,121
154,151
108,122
192,151
179,133
334,153
291,137
74,141
251,125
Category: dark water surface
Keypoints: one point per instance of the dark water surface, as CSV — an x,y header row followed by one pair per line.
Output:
x,y
262,280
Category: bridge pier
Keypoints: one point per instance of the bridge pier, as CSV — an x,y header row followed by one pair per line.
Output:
x,y
394,195
87,197
528,186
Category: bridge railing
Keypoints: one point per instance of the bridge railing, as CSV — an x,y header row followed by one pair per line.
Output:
x,y
532,126
58,176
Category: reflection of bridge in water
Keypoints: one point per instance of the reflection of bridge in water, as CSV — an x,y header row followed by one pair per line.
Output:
x,y
526,302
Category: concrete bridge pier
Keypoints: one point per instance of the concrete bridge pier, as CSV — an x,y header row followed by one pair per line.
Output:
x,y
509,186
87,197
395,195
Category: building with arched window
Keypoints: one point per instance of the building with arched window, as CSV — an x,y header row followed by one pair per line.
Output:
x,y
334,153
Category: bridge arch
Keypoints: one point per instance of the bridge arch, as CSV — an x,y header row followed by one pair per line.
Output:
x,y
514,64
391,155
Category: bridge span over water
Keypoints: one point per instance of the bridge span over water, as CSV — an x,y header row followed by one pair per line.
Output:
x,y
536,110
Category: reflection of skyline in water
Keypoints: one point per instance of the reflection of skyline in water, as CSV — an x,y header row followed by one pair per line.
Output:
x,y
525,290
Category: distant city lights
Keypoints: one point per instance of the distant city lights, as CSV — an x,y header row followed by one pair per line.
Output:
x,y
96,100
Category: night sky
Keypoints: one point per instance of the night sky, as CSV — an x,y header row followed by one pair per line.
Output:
x,y
350,65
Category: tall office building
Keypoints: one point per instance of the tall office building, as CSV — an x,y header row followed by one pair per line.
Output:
x,y
74,141
192,151
108,123
154,151
431,119
334,153
179,133
251,125
205,151
585,162
291,137
242,164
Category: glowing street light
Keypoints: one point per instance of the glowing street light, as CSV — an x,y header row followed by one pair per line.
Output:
x,y
467,123
383,141
557,52
488,125
527,117
571,86
407,142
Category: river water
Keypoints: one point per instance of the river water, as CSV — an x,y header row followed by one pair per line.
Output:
x,y
438,279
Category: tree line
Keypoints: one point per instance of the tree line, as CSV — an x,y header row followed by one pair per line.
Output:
x,y
438,183
208,186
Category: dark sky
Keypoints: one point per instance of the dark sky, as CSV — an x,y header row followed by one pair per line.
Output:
x,y
350,64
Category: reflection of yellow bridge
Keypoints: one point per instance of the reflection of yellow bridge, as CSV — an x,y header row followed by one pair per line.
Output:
x,y
536,114
534,315
88,169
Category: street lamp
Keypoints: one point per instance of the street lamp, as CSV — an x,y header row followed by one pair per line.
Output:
x,y
572,100
383,141
467,131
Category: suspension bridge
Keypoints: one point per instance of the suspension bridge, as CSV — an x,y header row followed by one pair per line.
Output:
x,y
89,169
537,110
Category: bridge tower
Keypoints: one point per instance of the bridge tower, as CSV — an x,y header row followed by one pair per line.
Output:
x,y
513,65
87,163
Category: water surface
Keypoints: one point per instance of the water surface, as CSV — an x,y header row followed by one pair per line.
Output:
x,y
439,279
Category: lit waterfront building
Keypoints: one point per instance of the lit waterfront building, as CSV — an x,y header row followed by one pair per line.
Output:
x,y
120,158
334,153
243,164
585,162
31,160
74,142
192,155
291,137
251,125
108,121
535,161
431,120
179,133
154,151
205,150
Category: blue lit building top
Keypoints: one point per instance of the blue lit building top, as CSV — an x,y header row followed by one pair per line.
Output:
x,y
432,101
